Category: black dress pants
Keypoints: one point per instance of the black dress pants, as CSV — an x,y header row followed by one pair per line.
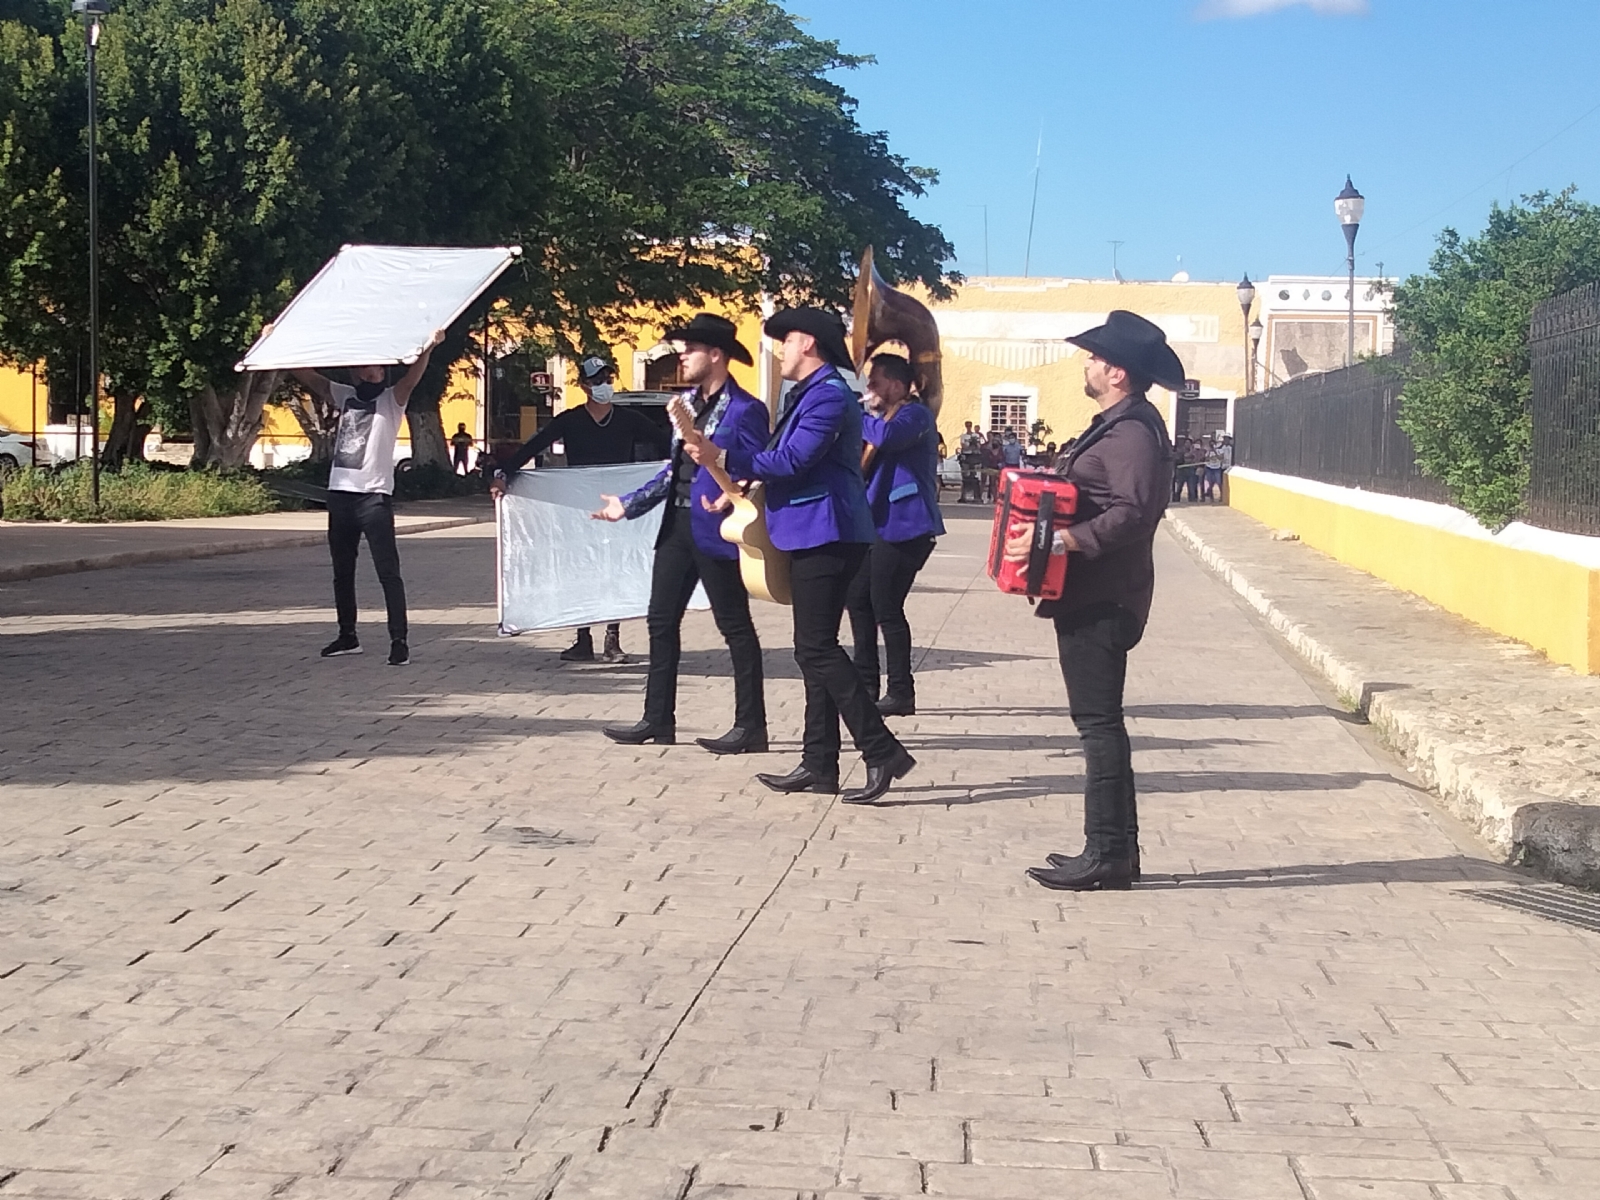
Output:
x,y
819,579
877,601
679,565
1093,643
350,516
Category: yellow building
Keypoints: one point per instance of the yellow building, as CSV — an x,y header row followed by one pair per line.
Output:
x,y
1007,363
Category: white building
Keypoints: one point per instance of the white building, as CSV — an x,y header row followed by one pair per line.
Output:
x,y
1305,321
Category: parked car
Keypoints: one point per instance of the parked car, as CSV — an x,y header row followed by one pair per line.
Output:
x,y
17,450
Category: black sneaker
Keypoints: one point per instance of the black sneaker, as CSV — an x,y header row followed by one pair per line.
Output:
x,y
345,643
399,654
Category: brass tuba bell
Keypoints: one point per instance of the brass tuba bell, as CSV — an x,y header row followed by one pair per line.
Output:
x,y
884,315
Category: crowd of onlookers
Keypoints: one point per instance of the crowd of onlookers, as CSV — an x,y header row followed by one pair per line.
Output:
x,y
1200,463
1201,467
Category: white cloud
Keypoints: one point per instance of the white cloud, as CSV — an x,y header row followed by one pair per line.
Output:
x,y
1212,10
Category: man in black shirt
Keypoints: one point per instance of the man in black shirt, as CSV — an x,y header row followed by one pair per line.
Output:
x,y
598,433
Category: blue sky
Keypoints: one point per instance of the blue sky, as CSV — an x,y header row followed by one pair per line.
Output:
x,y
1220,130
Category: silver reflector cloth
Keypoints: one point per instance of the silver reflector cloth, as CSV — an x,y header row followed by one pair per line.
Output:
x,y
558,566
376,306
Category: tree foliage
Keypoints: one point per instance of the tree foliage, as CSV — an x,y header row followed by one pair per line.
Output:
x,y
643,152
1467,391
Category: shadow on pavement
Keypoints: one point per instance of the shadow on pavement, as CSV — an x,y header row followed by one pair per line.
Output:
x,y
1149,783
1455,869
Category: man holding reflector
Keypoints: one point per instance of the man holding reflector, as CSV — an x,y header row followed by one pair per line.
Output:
x,y
361,491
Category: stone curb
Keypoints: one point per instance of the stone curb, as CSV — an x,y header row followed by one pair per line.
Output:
x,y
133,558
1560,840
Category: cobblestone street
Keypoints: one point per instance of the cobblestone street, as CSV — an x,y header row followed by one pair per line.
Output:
x,y
278,927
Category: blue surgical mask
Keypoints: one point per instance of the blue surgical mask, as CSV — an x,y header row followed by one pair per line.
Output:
x,y
601,393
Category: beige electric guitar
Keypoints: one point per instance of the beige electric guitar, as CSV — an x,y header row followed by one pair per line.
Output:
x,y
763,567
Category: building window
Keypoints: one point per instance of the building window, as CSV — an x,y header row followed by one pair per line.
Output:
x,y
663,375
1009,414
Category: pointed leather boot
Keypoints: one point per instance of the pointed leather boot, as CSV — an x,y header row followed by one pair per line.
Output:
x,y
1064,861
641,732
879,779
897,706
1086,875
737,741
801,779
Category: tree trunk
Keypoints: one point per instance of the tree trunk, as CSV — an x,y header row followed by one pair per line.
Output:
x,y
428,444
125,440
231,420
318,421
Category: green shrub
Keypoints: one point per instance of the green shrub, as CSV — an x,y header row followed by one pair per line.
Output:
x,y
138,492
418,482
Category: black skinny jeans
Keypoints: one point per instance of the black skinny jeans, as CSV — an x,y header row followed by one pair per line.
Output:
x,y
1094,643
877,601
679,564
819,580
350,516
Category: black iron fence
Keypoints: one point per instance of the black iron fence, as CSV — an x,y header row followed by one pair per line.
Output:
x,y
1564,467
1337,427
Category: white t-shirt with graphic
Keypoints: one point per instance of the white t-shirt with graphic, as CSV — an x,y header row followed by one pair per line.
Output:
x,y
363,453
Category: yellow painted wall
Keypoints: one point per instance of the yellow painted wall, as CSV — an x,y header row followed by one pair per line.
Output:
x,y
1218,365
1551,604
17,401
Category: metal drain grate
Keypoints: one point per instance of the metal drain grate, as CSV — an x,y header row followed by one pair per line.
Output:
x,y
1550,901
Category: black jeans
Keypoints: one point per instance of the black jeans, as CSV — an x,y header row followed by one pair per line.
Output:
x,y
679,564
877,600
1094,644
351,515
819,580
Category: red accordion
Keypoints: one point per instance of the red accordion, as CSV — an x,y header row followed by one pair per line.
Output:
x,y
1046,502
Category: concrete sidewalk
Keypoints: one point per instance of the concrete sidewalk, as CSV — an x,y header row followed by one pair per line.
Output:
x,y
1507,739
34,549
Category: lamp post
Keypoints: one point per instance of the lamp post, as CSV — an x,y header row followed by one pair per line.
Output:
x,y
1256,330
1350,205
1247,297
90,11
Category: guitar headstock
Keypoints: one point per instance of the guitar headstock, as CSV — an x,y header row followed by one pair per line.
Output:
x,y
682,416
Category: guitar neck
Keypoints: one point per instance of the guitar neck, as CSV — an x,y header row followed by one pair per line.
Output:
x,y
683,419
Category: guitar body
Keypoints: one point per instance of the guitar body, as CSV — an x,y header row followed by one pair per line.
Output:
x,y
763,567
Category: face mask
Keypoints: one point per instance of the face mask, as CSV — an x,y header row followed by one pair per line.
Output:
x,y
601,393
366,392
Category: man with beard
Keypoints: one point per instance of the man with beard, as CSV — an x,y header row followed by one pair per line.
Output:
x,y
361,490
690,547
1122,466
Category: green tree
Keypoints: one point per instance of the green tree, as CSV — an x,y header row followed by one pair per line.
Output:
x,y
1467,388
644,152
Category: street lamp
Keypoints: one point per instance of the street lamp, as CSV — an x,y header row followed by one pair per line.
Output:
x,y
1256,330
1350,205
1247,296
90,11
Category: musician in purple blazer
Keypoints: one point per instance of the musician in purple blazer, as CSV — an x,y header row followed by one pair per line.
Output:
x,y
903,494
817,510
690,547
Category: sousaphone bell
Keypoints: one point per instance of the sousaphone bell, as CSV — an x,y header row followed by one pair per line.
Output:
x,y
882,315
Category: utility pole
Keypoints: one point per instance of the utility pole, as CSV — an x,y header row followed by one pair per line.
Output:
x,y
1115,274
91,11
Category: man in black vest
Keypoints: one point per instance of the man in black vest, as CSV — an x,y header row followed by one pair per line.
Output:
x,y
1122,466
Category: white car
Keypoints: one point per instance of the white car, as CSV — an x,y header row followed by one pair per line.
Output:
x,y
16,450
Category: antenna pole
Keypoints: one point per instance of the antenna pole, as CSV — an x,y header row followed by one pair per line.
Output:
x,y
1027,257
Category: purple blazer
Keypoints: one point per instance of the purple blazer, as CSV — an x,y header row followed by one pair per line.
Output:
x,y
903,487
813,470
737,419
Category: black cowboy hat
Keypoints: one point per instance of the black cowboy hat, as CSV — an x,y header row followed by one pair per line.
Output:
x,y
1129,341
821,324
708,329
